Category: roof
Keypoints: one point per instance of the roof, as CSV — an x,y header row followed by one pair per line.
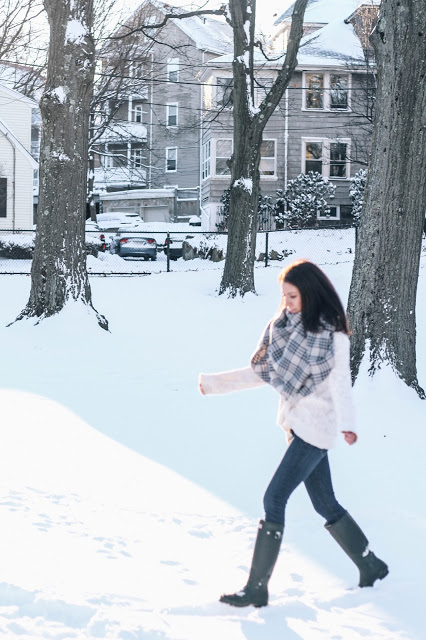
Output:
x,y
4,129
322,11
209,34
335,45
15,95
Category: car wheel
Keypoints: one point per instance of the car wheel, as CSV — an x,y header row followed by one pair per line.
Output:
x,y
153,258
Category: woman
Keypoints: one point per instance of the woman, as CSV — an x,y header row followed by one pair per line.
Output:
x,y
304,354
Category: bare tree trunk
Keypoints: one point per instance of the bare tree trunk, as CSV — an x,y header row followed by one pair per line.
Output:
x,y
382,298
249,123
59,271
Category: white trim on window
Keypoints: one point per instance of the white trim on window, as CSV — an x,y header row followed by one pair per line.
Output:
x,y
217,146
268,163
325,159
173,70
325,91
137,113
171,157
172,114
334,213
206,162
136,157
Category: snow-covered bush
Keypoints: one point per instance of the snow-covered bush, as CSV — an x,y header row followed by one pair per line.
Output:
x,y
225,199
17,246
306,199
356,194
266,208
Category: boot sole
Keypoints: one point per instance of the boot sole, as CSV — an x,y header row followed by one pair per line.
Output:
x,y
241,605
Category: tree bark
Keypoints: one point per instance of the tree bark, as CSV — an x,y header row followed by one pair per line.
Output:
x,y
249,124
382,297
58,272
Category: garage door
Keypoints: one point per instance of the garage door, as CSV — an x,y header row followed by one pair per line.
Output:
x,y
155,214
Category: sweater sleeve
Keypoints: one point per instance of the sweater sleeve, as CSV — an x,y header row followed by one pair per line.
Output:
x,y
341,385
228,381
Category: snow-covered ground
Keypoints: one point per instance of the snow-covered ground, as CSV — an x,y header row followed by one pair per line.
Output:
x,y
129,502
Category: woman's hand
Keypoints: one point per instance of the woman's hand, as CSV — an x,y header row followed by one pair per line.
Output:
x,y
350,437
200,386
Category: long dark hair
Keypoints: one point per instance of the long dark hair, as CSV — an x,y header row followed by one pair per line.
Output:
x,y
320,300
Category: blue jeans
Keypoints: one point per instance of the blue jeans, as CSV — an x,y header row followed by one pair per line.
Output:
x,y
302,462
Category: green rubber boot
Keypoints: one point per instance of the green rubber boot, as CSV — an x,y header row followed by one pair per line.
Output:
x,y
268,542
349,536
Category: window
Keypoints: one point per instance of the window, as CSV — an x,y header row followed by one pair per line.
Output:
x,y
267,165
171,159
3,197
339,87
224,92
138,113
326,91
333,215
172,115
223,154
330,158
116,157
173,69
314,97
338,160
206,160
338,212
138,69
262,86
136,158
313,157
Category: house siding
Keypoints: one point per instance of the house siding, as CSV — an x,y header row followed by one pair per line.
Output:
x,y
16,115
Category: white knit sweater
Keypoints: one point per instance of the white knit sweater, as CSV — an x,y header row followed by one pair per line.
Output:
x,y
316,418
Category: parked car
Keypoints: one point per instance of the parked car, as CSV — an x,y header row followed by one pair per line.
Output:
x,y
130,244
173,247
92,226
112,221
95,237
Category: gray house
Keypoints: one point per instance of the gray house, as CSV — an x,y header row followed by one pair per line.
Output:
x,y
154,143
323,123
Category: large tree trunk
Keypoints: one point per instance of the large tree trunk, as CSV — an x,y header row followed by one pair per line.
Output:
x,y
382,298
58,271
249,123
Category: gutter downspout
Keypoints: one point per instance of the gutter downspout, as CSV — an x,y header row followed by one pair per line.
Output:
x,y
285,147
201,140
150,124
286,139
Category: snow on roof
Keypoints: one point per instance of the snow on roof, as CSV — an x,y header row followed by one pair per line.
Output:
x,y
334,45
323,11
209,34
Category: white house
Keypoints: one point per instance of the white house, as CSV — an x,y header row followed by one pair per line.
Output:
x,y
17,166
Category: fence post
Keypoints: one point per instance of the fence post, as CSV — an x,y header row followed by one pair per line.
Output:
x,y
168,251
266,248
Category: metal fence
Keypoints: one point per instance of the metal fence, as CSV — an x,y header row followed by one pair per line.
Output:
x,y
171,251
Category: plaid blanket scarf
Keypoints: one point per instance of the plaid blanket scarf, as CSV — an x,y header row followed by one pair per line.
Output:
x,y
291,359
